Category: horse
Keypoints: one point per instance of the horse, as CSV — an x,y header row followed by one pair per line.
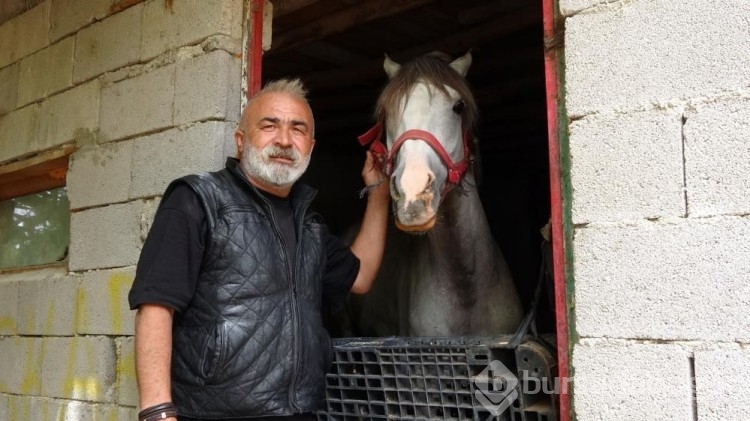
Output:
x,y
442,274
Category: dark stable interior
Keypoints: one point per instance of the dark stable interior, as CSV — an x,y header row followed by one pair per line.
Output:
x,y
337,48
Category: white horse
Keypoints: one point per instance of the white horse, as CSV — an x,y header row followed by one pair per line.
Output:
x,y
443,273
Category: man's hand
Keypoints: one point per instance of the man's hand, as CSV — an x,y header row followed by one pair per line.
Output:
x,y
372,175
373,168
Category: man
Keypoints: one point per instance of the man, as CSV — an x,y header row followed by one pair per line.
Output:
x,y
231,279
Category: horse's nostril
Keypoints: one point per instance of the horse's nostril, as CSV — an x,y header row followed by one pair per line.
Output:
x,y
395,195
430,182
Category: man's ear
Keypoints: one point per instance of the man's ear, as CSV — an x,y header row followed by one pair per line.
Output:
x,y
312,145
239,141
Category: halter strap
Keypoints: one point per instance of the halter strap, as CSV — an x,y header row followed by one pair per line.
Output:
x,y
456,170
373,136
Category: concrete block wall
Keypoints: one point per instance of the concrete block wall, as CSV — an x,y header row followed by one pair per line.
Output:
x,y
658,101
147,91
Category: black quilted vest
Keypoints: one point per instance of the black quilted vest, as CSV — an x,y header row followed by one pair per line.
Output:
x,y
252,341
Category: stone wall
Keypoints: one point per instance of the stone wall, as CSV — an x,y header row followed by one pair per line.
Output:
x,y
658,103
147,91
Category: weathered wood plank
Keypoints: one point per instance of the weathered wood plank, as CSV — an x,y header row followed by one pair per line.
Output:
x,y
458,42
341,21
34,177
284,7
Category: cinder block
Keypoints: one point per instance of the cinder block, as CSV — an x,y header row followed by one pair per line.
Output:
x,y
68,16
127,386
8,88
721,385
7,40
100,174
47,306
685,279
163,157
4,407
70,116
208,86
105,237
138,105
717,150
46,409
24,34
47,71
20,364
103,303
34,408
634,54
109,44
8,308
18,132
186,23
570,7
81,368
20,408
627,166
147,217
124,413
634,382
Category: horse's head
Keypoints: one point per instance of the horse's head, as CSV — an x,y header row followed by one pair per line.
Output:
x,y
428,112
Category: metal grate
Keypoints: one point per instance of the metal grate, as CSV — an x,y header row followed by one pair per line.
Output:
x,y
424,378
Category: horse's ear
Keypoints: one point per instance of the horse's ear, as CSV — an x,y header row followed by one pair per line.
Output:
x,y
461,64
391,67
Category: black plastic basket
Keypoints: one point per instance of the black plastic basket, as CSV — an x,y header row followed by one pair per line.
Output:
x,y
401,378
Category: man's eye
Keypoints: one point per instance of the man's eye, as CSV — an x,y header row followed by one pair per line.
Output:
x,y
268,127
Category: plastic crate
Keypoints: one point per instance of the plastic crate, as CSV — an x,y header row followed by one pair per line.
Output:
x,y
435,379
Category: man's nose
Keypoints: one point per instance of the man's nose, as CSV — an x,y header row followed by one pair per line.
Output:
x,y
285,137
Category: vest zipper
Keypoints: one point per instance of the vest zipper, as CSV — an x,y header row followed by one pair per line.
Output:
x,y
293,290
295,308
292,272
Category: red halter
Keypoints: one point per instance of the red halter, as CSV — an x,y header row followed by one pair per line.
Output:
x,y
456,170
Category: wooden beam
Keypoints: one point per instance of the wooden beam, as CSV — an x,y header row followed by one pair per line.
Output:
x,y
39,158
331,54
284,7
33,179
489,10
341,21
458,42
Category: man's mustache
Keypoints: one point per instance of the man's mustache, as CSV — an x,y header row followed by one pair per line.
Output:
x,y
279,152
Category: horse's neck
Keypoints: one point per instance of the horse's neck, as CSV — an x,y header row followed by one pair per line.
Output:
x,y
462,221
462,236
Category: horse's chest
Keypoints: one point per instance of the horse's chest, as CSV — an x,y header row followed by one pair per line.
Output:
x,y
435,309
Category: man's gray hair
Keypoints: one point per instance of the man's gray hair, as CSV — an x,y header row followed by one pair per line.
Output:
x,y
293,87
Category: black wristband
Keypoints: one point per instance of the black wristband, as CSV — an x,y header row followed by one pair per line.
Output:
x,y
158,412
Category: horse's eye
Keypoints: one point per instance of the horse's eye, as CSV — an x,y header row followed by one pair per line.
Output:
x,y
459,106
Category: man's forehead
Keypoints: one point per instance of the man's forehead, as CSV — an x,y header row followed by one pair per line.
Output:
x,y
274,103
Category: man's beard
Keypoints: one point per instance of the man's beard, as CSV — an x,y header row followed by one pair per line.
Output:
x,y
257,164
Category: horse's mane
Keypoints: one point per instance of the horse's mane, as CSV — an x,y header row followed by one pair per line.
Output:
x,y
434,69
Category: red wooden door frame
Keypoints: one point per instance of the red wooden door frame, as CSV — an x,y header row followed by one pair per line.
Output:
x,y
552,39
254,46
